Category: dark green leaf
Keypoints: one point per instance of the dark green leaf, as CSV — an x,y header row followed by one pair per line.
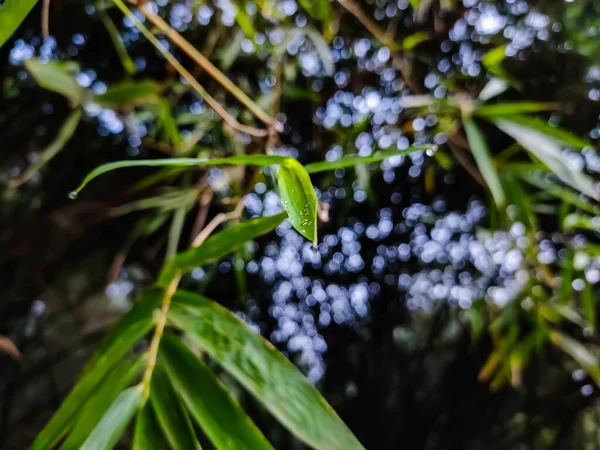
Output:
x,y
117,42
170,413
265,372
588,304
57,76
98,404
147,434
484,161
220,416
109,430
12,13
66,132
132,327
221,244
352,160
319,9
129,93
299,198
547,150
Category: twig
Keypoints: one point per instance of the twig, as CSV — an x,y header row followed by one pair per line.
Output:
x,y
356,11
210,68
46,19
216,106
205,200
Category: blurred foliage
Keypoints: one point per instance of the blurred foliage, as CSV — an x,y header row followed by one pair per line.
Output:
x,y
415,109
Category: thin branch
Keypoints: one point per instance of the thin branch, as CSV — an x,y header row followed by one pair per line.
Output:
x,y
354,9
46,19
216,106
210,68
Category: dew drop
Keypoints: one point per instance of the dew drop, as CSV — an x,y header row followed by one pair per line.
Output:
x,y
73,195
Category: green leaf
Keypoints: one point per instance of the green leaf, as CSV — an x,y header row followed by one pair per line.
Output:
x,y
109,430
132,327
588,304
147,434
484,161
229,240
129,93
12,13
547,150
411,41
560,134
66,132
57,76
117,42
574,220
105,395
170,413
584,357
509,109
264,371
244,22
255,160
220,416
319,9
353,160
493,88
299,198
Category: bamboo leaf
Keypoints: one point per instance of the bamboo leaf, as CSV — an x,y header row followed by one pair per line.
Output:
x,y
560,134
117,42
66,132
299,198
109,430
512,108
353,160
319,9
484,161
12,13
547,150
170,413
588,304
585,358
56,76
98,404
129,93
493,88
261,369
225,242
220,416
147,434
255,160
132,327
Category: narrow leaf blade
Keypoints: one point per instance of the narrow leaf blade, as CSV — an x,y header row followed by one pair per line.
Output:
x,y
147,434
56,76
109,430
261,369
299,198
484,161
219,415
170,413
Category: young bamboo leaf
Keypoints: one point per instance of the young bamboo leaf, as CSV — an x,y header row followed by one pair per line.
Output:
x,y
225,242
98,404
12,13
585,358
112,425
65,133
484,161
299,198
507,109
117,42
132,327
353,160
251,160
547,150
56,76
220,416
170,413
147,434
261,369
